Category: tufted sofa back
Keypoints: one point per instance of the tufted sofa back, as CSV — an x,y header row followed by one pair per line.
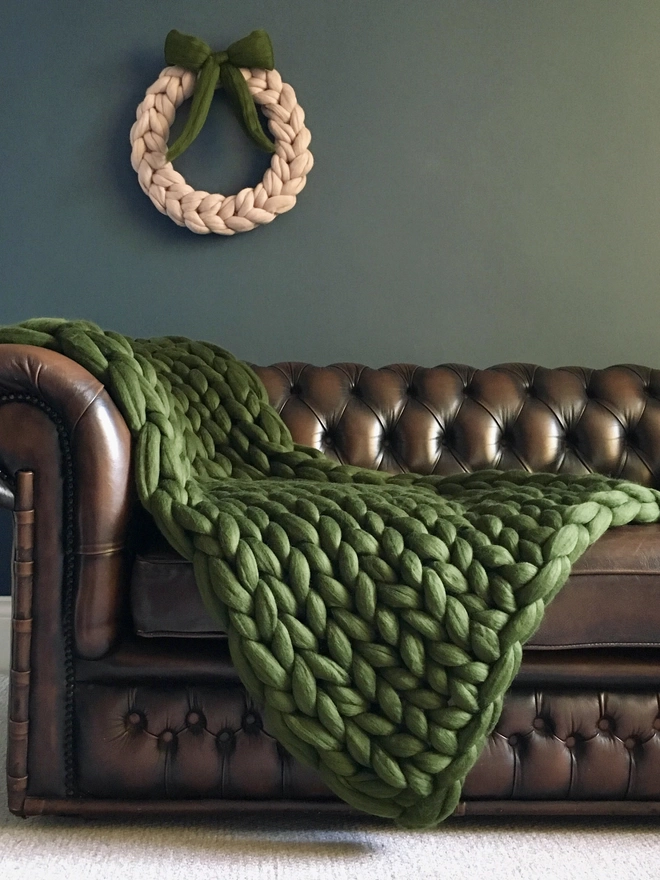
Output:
x,y
453,418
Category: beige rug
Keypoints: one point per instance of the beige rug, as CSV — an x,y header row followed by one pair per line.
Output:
x,y
332,848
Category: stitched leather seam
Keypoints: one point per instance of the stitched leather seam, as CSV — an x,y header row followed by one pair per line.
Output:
x,y
177,634
92,401
570,645
110,550
588,572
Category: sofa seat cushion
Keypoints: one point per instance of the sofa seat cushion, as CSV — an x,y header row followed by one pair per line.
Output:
x,y
612,598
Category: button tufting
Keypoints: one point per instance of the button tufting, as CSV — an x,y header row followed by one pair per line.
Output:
x,y
135,719
224,736
295,390
251,722
538,724
630,742
656,723
195,719
513,739
167,740
604,724
570,742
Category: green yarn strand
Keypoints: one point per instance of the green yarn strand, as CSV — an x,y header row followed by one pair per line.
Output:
x,y
206,82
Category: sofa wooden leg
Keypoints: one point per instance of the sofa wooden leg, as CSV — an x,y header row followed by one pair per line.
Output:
x,y
19,686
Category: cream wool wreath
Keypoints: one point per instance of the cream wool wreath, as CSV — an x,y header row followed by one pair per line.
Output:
x,y
203,212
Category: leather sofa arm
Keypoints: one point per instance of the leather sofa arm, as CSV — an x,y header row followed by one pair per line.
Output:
x,y
6,492
57,420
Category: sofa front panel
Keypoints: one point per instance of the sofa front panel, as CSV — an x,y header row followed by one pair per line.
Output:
x,y
155,742
553,745
454,418
182,742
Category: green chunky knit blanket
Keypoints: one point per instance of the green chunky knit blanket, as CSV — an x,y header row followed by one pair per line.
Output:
x,y
379,619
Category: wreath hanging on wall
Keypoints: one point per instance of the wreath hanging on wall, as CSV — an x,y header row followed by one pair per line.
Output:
x,y
246,72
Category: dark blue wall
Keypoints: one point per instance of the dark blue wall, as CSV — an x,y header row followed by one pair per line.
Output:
x,y
487,180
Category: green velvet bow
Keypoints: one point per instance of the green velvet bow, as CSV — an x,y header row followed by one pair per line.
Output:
x,y
255,50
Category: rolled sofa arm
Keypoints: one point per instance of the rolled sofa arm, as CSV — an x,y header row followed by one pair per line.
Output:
x,y
57,420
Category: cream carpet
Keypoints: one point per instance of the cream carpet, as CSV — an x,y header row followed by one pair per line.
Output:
x,y
328,848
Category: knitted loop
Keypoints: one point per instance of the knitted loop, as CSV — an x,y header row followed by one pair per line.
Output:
x,y
379,622
203,212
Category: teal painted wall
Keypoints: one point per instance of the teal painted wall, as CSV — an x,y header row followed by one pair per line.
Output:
x,y
487,180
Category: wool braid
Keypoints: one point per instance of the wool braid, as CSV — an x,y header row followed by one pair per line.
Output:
x,y
203,212
379,619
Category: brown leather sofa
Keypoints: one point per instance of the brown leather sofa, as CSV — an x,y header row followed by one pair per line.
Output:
x,y
123,698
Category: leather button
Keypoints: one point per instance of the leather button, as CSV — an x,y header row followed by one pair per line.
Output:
x,y
193,719
604,724
538,724
224,736
513,739
251,723
656,724
570,742
630,742
166,737
134,718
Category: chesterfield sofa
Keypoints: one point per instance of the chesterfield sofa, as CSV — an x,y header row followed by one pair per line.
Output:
x,y
123,698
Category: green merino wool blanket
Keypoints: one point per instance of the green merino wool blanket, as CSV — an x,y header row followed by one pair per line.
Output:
x,y
378,619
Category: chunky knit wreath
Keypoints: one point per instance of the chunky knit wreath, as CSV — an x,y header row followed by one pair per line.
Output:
x,y
197,70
